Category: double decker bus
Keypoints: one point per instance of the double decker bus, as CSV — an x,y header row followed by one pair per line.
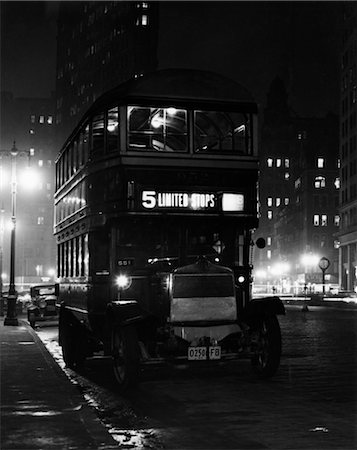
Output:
x,y
155,208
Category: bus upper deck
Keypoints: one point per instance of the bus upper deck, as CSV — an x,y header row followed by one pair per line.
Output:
x,y
190,123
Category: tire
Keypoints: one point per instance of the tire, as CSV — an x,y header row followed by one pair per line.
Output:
x,y
72,346
266,346
31,319
126,356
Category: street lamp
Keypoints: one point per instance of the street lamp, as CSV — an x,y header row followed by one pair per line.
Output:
x,y
11,316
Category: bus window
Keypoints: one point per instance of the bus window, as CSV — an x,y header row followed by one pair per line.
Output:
x,y
221,132
161,129
98,134
112,130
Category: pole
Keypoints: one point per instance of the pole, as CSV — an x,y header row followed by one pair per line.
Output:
x,y
11,316
323,281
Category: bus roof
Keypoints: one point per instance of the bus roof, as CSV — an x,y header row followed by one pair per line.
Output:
x,y
183,84
179,85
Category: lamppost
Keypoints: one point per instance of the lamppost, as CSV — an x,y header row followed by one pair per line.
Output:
x,y
11,315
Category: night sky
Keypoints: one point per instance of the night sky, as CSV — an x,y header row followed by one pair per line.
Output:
x,y
249,41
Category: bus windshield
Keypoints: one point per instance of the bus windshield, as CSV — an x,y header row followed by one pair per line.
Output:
x,y
146,241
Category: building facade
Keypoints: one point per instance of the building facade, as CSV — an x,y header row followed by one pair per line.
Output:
x,y
348,153
299,186
100,45
27,124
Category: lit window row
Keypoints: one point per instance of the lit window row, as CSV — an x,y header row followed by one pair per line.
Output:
x,y
320,220
320,182
278,201
42,119
278,162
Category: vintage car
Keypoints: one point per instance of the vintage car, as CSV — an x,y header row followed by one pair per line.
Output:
x,y
43,304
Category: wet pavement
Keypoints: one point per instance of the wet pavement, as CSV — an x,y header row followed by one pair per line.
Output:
x,y
40,406
310,404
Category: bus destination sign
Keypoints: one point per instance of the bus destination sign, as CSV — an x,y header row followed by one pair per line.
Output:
x,y
191,200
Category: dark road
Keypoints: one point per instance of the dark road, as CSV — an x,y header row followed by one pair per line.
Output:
x,y
310,404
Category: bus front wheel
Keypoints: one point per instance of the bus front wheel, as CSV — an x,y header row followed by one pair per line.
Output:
x,y
266,346
126,356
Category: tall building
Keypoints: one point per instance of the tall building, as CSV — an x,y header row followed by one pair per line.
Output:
x,y
299,188
27,123
348,152
100,45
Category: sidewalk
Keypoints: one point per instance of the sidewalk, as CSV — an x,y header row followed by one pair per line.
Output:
x,y
40,407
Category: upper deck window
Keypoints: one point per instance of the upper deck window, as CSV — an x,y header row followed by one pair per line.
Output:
x,y
98,134
162,129
221,132
112,130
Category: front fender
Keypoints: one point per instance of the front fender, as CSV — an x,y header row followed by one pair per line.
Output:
x,y
124,312
264,305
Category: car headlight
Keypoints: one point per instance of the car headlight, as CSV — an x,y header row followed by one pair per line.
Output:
x,y
123,281
42,304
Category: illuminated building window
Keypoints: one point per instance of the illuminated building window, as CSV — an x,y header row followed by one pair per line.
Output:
x,y
33,118
269,201
269,254
287,163
270,162
297,183
270,215
278,162
32,151
316,220
337,220
338,163
41,119
50,120
269,241
40,163
337,183
142,20
40,220
320,163
287,175
31,131
320,182
286,201
278,201
324,220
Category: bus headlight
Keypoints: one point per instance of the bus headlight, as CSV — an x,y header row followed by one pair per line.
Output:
x,y
123,281
241,279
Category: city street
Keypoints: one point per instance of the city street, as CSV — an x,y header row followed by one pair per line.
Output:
x,y
310,404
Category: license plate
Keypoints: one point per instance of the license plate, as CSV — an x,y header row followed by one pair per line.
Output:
x,y
202,353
